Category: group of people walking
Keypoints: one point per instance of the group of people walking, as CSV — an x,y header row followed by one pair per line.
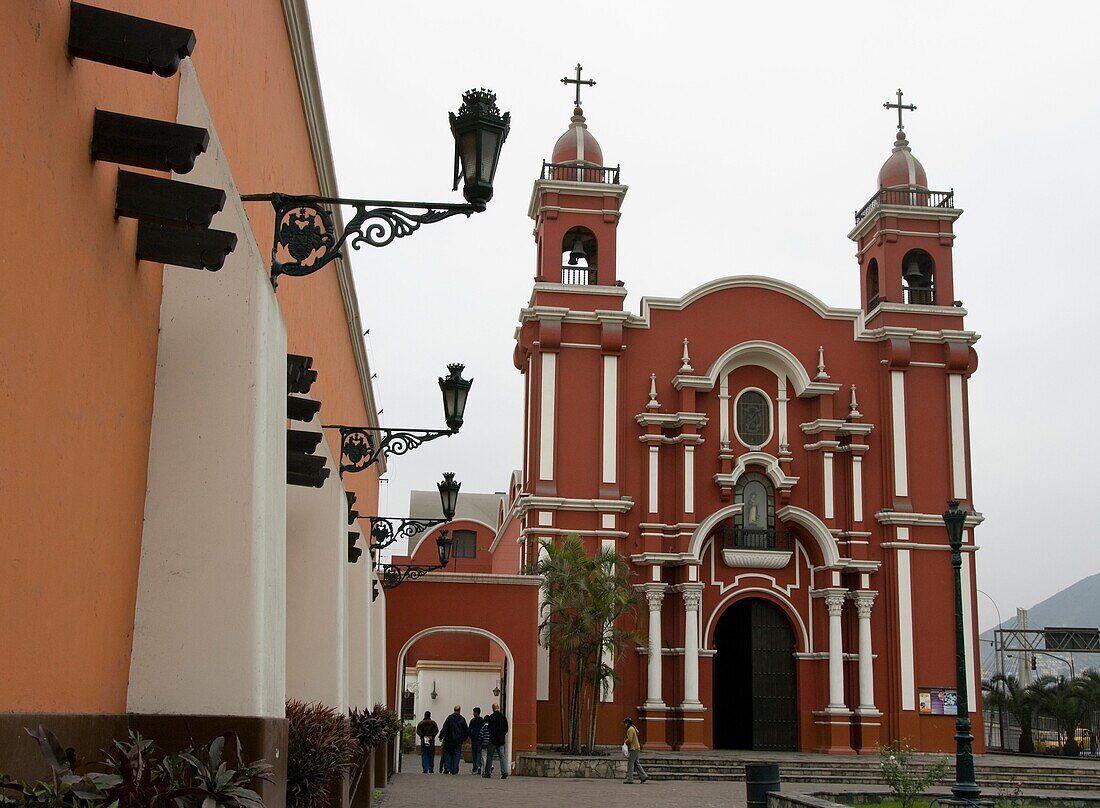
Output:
x,y
489,734
487,738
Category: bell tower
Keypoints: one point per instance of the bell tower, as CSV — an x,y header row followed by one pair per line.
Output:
x,y
904,238
576,207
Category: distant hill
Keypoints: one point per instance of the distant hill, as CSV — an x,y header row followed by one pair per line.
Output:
x,y
1076,606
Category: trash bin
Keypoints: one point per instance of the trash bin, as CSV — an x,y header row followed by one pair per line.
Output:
x,y
760,778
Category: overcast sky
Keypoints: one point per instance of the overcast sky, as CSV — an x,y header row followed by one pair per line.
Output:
x,y
747,134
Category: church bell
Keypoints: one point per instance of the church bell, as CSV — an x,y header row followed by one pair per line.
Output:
x,y
577,253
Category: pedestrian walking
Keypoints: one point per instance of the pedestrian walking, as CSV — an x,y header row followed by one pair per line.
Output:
x,y
476,724
497,725
427,730
633,752
453,734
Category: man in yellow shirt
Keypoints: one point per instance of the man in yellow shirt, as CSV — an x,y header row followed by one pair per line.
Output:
x,y
633,751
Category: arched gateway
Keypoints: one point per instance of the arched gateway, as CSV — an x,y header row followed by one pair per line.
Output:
x,y
755,689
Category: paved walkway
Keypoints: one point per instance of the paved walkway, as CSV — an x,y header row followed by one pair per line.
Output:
x,y
413,789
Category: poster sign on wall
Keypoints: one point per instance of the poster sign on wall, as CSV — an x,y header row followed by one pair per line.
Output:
x,y
938,701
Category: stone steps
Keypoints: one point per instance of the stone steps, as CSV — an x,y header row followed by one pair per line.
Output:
x,y
805,770
867,773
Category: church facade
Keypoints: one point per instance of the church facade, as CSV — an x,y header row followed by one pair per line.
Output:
x,y
773,468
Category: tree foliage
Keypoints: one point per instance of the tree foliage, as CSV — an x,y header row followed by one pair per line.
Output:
x,y
587,600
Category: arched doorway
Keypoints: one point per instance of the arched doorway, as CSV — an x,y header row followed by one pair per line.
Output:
x,y
755,703
505,698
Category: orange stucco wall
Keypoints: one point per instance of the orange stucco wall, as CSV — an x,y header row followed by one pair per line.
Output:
x,y
79,322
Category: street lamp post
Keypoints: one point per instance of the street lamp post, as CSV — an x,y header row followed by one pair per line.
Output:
x,y
306,233
964,787
363,446
385,530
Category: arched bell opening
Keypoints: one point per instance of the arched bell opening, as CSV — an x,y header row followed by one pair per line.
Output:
x,y
579,257
918,273
872,284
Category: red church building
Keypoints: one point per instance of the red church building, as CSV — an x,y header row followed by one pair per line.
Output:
x,y
774,469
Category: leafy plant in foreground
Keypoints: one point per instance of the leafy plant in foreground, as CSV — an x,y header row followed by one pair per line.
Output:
x,y
906,778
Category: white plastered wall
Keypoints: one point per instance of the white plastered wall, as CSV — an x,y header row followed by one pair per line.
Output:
x,y
468,684
317,588
211,595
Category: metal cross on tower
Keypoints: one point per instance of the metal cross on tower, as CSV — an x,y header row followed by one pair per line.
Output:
x,y
578,82
898,106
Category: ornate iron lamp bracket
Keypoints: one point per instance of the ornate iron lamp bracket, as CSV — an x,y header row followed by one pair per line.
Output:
x,y
362,446
393,575
305,230
385,530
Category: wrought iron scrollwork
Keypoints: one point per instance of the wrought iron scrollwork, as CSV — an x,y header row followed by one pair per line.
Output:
x,y
305,230
385,530
393,575
362,446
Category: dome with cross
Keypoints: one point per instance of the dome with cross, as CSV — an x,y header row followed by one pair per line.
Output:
x,y
577,145
902,168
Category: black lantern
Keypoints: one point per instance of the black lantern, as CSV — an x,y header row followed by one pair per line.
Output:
x,y
448,494
480,130
455,389
443,546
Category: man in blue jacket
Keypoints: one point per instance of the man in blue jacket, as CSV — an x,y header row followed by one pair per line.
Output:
x,y
453,735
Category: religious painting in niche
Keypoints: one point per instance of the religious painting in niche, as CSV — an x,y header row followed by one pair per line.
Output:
x,y
753,418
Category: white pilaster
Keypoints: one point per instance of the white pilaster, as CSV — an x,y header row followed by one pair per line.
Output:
x,y
857,488
689,479
654,465
546,415
827,476
724,411
834,603
863,600
905,631
693,597
610,419
782,399
958,444
542,652
968,630
655,595
901,455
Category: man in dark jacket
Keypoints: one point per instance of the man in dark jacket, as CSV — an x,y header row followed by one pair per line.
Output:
x,y
475,739
453,734
427,730
498,736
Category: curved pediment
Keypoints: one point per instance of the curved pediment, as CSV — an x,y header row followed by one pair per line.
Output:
x,y
810,301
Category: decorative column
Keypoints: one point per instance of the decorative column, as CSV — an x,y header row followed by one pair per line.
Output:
x,y
863,600
693,597
834,723
834,602
655,594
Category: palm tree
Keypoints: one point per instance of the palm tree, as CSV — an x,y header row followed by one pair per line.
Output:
x,y
1005,691
585,599
1060,699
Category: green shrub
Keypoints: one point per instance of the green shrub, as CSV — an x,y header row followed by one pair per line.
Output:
x,y
320,751
908,780
135,776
